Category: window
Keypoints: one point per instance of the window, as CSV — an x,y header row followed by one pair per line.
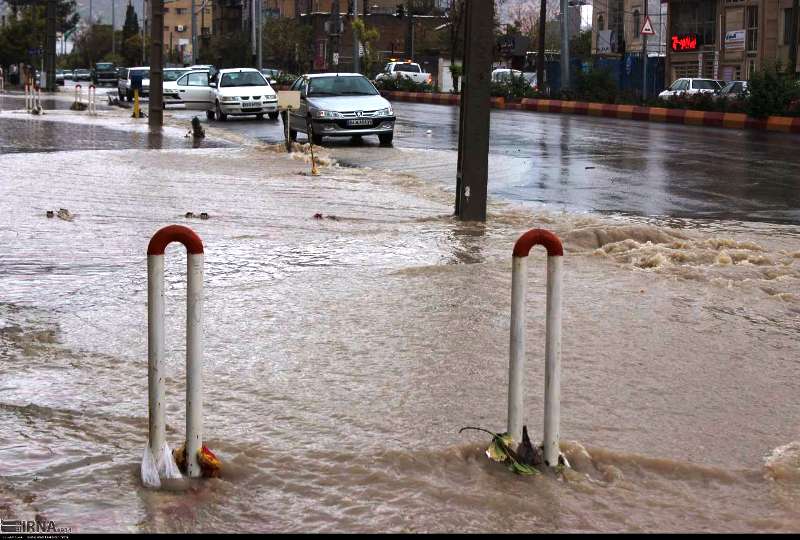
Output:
x,y
601,23
166,10
694,19
166,28
752,28
183,80
206,31
787,26
180,11
198,79
637,23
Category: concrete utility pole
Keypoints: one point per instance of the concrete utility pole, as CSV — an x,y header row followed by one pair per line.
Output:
x,y
90,14
410,30
254,47
565,44
113,25
644,55
540,63
795,15
144,29
356,57
50,47
473,136
154,110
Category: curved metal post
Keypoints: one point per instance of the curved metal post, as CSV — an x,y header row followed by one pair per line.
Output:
x,y
552,398
194,339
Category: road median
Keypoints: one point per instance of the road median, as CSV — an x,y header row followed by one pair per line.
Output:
x,y
783,124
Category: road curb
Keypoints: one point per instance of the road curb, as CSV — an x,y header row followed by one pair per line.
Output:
x,y
783,124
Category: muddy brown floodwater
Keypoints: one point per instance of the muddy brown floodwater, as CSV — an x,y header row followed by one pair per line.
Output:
x,y
342,356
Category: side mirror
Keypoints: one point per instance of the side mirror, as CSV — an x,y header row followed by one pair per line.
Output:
x,y
273,81
212,84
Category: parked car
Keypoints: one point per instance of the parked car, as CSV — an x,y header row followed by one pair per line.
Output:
x,y
83,74
69,75
734,89
689,86
104,73
340,105
192,89
60,77
408,69
271,75
239,92
124,88
505,74
173,74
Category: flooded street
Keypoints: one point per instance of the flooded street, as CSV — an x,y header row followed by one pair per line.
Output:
x,y
343,354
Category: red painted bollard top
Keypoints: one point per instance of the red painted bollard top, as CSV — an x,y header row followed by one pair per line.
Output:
x,y
538,237
175,233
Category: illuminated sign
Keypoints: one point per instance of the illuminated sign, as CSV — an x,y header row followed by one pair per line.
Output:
x,y
687,42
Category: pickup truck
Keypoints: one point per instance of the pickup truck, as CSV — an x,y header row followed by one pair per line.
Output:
x,y
413,71
104,73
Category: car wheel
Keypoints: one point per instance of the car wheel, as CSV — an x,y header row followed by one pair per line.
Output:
x,y
273,116
210,115
221,115
259,117
386,138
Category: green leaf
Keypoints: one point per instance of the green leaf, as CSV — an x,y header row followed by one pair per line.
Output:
x,y
521,468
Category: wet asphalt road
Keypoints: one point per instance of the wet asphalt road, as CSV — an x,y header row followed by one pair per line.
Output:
x,y
587,164
591,164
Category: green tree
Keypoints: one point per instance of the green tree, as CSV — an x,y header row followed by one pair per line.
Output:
x,y
368,37
229,50
131,48
25,30
288,45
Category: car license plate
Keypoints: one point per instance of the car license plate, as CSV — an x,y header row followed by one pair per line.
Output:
x,y
360,122
250,104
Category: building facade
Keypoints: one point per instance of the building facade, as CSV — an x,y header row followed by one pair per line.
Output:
x,y
178,28
727,39
617,26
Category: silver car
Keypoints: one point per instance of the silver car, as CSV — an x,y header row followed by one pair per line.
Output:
x,y
340,105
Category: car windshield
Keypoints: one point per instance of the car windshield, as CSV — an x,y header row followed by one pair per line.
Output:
x,y
704,85
173,74
242,78
106,65
410,68
340,86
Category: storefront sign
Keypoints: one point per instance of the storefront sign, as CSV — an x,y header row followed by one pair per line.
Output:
x,y
734,40
684,42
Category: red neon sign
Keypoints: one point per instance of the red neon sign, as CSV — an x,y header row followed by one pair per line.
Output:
x,y
684,43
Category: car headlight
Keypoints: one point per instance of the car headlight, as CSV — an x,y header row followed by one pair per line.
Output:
x,y
386,112
270,98
230,98
328,114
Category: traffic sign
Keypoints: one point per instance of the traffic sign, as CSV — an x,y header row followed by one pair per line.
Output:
x,y
647,27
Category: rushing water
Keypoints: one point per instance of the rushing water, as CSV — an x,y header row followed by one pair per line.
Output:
x,y
343,355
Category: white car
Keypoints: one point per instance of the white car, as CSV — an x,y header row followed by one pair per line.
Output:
x,y
242,91
407,69
190,88
690,86
124,84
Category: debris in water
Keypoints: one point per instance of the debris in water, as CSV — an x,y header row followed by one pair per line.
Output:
x,y
210,465
64,214
50,213
78,106
317,216
189,215
500,450
203,215
196,130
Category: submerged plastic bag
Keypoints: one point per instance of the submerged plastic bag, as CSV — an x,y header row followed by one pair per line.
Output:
x,y
150,477
167,467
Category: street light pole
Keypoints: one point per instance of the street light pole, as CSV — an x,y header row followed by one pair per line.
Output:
x,y
194,34
113,21
644,55
356,56
564,45
260,37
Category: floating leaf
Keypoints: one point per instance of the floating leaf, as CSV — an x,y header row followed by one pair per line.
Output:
x,y
498,449
521,468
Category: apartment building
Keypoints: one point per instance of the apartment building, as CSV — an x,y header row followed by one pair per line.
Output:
x,y
178,27
727,39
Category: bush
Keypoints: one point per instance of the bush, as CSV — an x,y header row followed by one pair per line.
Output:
x,y
597,85
285,79
772,91
512,88
403,84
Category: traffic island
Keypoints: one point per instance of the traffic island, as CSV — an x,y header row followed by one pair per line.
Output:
x,y
785,124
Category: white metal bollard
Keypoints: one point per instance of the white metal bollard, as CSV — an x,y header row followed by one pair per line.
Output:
x,y
2,84
92,99
28,98
552,395
78,98
194,338
37,99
